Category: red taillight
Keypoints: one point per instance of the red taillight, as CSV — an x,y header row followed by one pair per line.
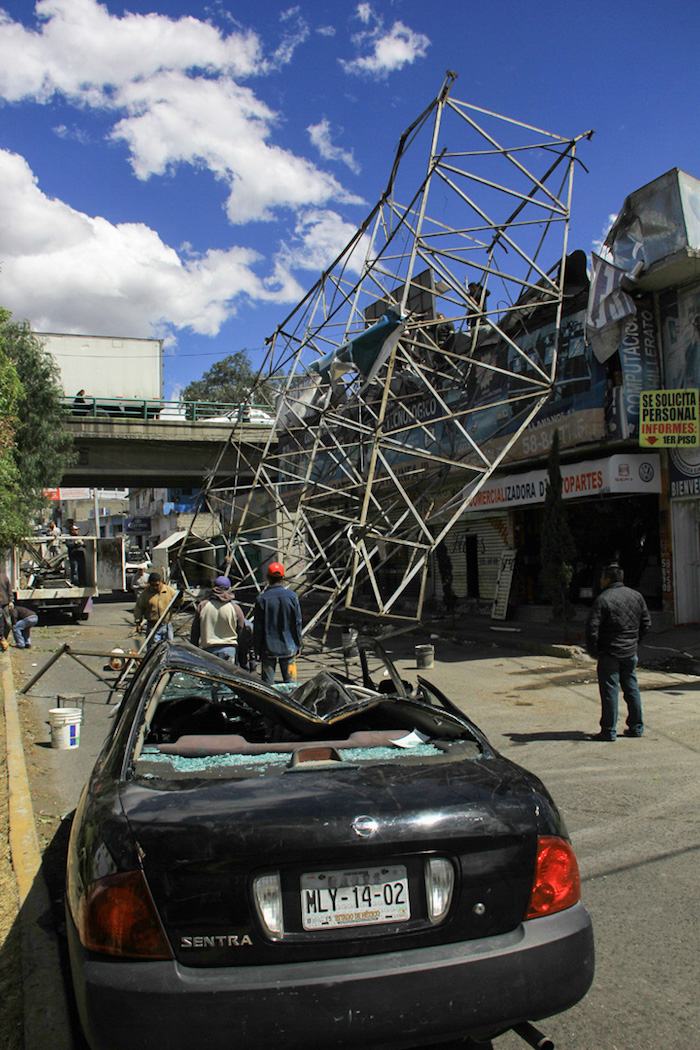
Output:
x,y
117,916
556,884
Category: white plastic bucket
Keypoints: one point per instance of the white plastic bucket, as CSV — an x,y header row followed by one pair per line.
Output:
x,y
65,727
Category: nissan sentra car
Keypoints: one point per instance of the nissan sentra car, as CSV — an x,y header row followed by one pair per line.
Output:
x,y
346,863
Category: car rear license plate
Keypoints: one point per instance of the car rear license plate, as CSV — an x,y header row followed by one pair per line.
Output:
x,y
362,897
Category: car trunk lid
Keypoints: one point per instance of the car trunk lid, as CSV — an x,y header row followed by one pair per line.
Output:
x,y
203,844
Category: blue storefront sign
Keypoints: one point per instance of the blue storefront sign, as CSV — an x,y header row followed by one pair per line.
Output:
x,y
639,360
138,526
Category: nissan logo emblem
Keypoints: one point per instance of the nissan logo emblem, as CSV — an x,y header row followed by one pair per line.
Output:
x,y
365,826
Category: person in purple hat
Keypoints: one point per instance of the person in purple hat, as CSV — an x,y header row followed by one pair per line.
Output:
x,y
219,624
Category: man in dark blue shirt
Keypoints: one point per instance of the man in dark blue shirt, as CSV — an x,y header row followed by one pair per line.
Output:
x,y
619,618
276,626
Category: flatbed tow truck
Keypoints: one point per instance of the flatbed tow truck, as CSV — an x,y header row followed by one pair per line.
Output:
x,y
63,573
42,576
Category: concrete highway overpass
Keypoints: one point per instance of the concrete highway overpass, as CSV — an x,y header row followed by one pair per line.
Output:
x,y
119,453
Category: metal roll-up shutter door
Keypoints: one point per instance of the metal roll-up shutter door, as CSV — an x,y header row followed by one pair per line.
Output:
x,y
686,559
455,549
494,534
483,536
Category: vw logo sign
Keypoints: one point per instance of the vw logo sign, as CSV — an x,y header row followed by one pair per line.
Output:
x,y
646,472
365,827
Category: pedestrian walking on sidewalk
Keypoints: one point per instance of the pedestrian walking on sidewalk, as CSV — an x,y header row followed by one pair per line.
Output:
x,y
219,625
617,622
276,626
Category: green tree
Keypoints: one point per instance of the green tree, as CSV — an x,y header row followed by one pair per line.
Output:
x,y
231,381
13,511
558,549
36,445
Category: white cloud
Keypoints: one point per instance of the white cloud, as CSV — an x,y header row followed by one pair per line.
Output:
x,y
69,272
389,51
320,237
173,93
164,128
74,132
80,51
170,84
320,135
298,33
599,243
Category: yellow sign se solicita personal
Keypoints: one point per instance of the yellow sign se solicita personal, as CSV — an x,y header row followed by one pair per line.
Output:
x,y
668,418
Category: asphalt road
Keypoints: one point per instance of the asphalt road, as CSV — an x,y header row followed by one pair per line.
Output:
x,y
632,808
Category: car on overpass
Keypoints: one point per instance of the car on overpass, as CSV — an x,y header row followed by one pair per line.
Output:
x,y
243,414
113,408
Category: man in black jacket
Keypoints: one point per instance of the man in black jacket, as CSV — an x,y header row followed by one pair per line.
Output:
x,y
618,620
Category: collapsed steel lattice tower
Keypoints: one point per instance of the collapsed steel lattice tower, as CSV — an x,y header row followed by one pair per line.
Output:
x,y
408,372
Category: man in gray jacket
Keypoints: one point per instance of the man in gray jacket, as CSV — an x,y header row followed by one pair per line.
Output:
x,y
219,625
618,620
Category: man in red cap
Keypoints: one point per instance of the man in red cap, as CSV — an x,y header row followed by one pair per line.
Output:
x,y
276,626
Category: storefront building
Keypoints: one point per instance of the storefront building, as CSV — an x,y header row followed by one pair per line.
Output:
x,y
613,512
638,506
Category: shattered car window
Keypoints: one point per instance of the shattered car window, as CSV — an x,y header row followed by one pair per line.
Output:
x,y
197,722
325,695
193,704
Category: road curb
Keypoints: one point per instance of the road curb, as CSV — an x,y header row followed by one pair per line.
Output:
x,y
668,659
46,1021
500,638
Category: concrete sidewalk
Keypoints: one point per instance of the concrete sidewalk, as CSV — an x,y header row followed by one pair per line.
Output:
x,y
533,631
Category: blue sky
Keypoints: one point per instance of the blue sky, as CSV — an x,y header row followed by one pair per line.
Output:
x,y
185,170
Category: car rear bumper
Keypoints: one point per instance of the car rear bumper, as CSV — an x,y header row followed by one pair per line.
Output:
x,y
399,999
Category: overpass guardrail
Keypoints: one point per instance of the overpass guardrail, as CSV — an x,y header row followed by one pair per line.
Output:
x,y
129,409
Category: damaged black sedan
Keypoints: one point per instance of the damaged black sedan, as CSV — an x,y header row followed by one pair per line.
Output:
x,y
347,864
